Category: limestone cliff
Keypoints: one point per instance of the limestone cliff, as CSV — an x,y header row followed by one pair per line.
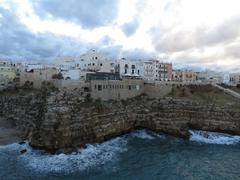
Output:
x,y
67,120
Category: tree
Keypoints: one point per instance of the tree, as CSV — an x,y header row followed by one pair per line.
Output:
x,y
57,76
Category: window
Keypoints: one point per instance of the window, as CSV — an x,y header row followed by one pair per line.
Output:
x,y
96,58
132,71
138,72
93,64
101,64
125,71
129,87
99,87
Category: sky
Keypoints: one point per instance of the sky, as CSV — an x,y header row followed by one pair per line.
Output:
x,y
190,33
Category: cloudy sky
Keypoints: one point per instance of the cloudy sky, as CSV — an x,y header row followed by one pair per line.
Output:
x,y
194,33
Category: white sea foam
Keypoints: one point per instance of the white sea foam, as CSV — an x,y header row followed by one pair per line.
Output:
x,y
93,155
213,138
14,147
143,134
9,146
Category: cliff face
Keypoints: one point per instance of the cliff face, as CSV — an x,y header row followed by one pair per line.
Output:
x,y
66,120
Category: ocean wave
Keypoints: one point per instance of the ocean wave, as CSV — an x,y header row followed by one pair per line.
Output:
x,y
92,156
14,147
144,134
213,138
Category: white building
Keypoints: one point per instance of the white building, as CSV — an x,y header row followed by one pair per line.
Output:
x,y
234,79
71,74
150,70
65,62
210,77
30,67
129,68
94,61
75,68
158,71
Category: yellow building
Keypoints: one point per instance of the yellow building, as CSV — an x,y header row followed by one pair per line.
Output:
x,y
7,73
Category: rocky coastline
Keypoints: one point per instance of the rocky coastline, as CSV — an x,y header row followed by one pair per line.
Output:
x,y
66,120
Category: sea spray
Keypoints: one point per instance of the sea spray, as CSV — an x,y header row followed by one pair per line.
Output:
x,y
92,156
213,138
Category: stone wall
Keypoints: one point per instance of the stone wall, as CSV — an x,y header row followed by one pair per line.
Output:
x,y
70,84
116,89
67,120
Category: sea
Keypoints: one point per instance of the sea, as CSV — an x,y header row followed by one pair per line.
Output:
x,y
138,155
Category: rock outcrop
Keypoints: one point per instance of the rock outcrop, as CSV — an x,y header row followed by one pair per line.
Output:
x,y
67,120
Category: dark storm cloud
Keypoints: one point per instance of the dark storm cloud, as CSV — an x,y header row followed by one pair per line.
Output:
x,y
87,13
16,41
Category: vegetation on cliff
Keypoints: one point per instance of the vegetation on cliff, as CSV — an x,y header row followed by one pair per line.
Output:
x,y
205,94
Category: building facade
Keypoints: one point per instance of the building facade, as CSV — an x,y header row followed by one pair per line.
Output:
x,y
234,79
210,77
116,89
187,76
157,71
128,68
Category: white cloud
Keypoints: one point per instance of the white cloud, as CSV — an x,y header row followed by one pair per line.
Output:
x,y
194,32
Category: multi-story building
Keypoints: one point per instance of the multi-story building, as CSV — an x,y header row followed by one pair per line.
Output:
x,y
156,70
75,68
94,61
128,68
184,76
210,77
234,79
65,62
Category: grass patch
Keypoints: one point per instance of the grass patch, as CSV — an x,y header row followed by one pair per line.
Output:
x,y
205,94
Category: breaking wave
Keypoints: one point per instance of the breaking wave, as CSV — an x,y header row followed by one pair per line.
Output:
x,y
96,155
144,134
213,138
92,156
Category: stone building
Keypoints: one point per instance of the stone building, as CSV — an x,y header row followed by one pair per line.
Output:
x,y
37,76
116,89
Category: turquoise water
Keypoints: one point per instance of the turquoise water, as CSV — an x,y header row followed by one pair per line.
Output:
x,y
138,155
